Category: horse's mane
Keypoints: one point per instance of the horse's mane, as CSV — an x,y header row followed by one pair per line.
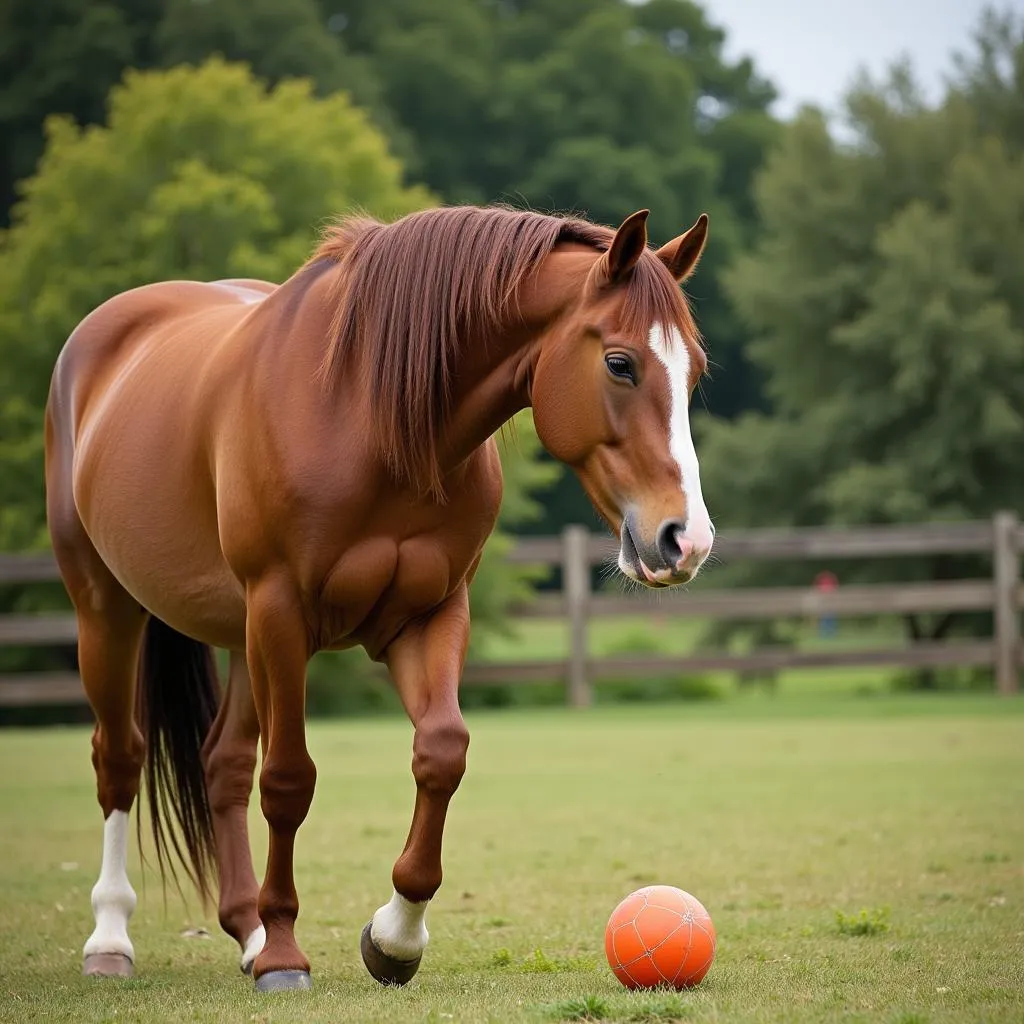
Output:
x,y
412,293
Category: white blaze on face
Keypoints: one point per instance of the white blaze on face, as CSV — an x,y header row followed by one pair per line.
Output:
x,y
673,354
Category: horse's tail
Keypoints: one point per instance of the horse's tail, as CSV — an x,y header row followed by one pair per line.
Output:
x,y
178,698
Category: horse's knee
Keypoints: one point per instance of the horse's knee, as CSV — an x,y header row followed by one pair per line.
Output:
x,y
286,791
439,754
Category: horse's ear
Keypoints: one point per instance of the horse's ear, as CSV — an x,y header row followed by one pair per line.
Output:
x,y
627,247
682,253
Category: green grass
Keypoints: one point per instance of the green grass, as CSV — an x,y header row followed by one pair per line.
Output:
x,y
786,817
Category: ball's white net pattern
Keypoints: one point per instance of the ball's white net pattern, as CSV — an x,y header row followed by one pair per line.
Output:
x,y
687,920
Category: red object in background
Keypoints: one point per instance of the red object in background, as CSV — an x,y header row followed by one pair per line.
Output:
x,y
826,580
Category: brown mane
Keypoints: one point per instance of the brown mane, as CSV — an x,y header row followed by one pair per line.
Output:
x,y
414,291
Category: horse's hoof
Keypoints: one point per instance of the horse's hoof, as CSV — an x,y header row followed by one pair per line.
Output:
x,y
383,968
284,981
247,968
107,965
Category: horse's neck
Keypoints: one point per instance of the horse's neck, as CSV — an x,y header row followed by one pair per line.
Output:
x,y
488,391
494,376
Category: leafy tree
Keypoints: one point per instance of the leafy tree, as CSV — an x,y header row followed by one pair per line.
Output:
x,y
886,298
498,584
601,106
200,173
63,57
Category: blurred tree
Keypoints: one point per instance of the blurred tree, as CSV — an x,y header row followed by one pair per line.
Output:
x,y
200,173
499,584
886,296
599,106
595,106
63,57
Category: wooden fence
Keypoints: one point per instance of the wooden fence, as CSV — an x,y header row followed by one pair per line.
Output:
x,y
577,551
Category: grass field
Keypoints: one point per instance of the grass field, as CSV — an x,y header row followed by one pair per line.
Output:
x,y
777,814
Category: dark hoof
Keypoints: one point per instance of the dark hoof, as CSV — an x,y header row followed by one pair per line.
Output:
x,y
107,965
383,968
284,981
247,968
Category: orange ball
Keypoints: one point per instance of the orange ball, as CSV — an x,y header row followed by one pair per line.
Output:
x,y
660,936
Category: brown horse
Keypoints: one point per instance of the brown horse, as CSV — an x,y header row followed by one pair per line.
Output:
x,y
282,470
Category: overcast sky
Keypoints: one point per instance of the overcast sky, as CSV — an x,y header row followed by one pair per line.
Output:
x,y
811,49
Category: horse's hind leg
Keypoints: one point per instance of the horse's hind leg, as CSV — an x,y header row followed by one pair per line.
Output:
x,y
110,625
108,645
229,759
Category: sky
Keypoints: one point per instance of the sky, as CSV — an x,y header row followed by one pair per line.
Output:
x,y
812,49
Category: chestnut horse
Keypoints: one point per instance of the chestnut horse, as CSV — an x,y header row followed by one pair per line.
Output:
x,y
279,470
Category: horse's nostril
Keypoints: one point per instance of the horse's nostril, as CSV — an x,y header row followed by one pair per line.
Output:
x,y
670,541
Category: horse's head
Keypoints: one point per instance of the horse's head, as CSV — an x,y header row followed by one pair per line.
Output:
x,y
611,394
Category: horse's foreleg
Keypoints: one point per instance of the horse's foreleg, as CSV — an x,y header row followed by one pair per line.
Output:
x,y
229,760
426,663
277,647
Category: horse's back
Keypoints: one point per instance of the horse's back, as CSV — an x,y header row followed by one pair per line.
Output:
x,y
120,329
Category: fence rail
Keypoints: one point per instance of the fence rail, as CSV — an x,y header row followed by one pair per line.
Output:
x,y
576,552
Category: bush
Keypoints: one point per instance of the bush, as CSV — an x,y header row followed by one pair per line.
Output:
x,y
656,689
347,683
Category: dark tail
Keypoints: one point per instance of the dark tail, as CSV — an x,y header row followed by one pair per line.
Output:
x,y
178,698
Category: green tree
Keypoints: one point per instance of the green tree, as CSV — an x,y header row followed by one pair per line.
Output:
x,y
200,173
63,57
597,106
886,298
600,106
499,584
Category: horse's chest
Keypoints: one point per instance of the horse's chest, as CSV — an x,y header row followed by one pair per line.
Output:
x,y
380,584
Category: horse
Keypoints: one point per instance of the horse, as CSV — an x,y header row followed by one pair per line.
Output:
x,y
276,470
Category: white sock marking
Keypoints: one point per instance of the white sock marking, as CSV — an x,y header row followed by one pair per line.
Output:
x,y
674,356
113,898
398,928
254,946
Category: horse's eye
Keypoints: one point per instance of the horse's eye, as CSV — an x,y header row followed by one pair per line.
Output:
x,y
621,366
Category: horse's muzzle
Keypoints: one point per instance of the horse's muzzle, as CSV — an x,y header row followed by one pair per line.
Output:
x,y
672,558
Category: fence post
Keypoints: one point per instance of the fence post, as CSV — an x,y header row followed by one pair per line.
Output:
x,y
576,586
1006,572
